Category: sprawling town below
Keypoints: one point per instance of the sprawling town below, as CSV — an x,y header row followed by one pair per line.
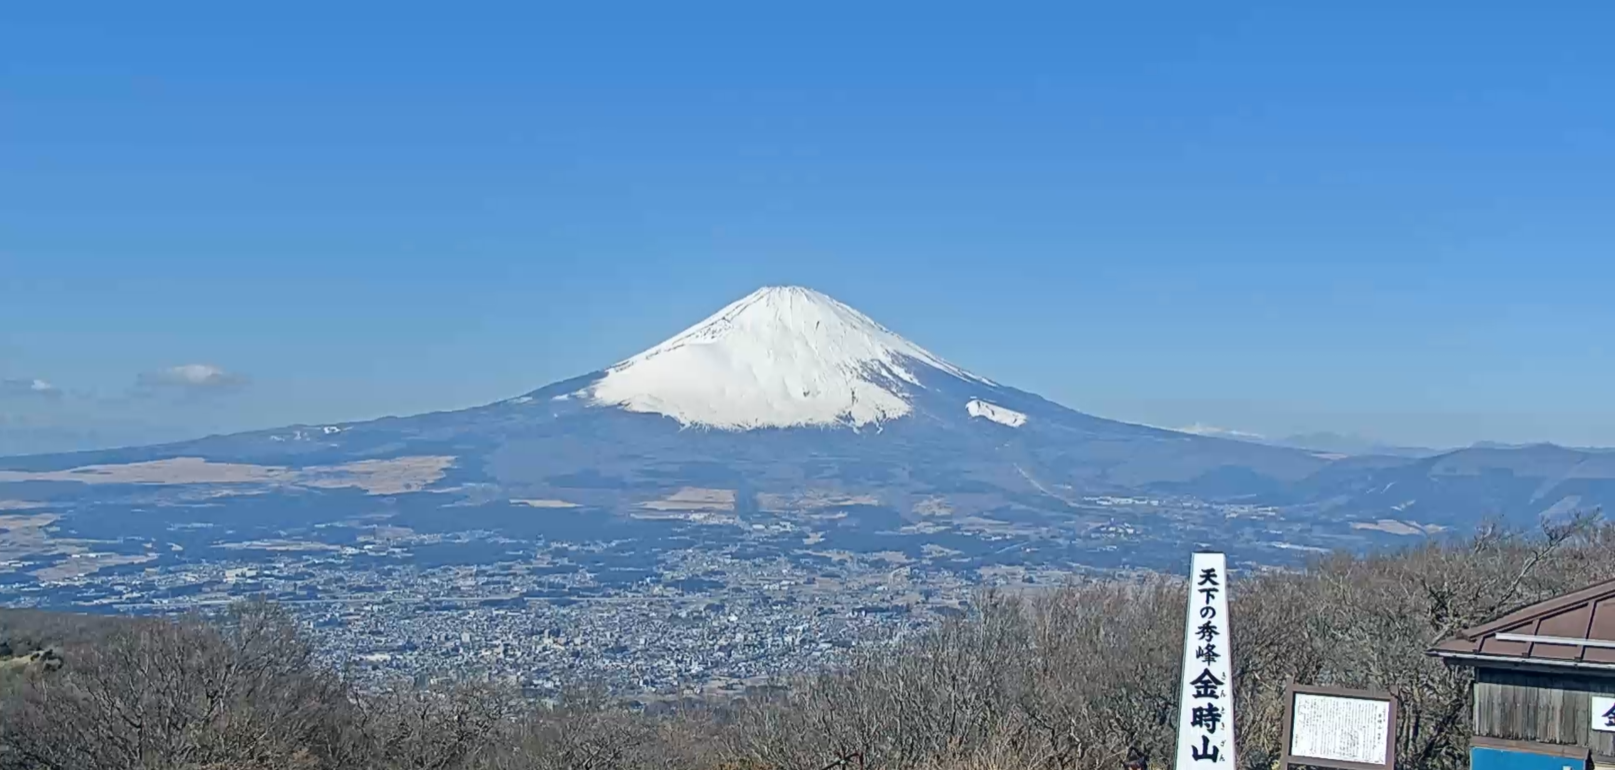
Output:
x,y
666,608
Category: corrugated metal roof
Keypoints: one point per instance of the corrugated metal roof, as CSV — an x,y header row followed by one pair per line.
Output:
x,y
1575,630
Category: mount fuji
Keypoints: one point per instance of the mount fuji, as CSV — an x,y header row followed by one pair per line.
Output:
x,y
788,390
788,399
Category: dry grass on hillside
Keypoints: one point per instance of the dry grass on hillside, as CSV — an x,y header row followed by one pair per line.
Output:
x,y
378,477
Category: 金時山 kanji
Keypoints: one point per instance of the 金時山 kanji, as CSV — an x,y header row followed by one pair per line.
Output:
x,y
1206,684
1205,751
1207,716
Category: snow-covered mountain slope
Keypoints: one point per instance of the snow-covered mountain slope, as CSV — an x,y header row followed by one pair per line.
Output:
x,y
781,357
976,407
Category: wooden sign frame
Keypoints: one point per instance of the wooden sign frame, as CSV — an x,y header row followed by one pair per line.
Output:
x,y
1287,759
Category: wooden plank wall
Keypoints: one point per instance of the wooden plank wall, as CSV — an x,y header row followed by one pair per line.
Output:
x,y
1548,708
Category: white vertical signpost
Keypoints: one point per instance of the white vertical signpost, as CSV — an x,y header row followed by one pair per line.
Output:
x,y
1206,701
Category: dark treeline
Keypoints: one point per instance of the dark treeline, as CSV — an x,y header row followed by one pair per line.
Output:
x,y
1083,676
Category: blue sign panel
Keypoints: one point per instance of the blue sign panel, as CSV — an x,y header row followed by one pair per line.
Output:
x,y
1503,759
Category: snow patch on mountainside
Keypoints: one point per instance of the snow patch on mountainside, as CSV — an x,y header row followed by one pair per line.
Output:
x,y
780,357
1001,415
1202,429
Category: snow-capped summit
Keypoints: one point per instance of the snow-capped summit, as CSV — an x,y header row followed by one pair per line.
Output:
x,y
780,357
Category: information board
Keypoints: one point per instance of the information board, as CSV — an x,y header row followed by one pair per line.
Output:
x,y
1330,727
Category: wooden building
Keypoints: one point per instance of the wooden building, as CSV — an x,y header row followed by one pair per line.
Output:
x,y
1545,684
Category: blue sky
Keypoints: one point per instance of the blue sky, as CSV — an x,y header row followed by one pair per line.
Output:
x,y
1374,218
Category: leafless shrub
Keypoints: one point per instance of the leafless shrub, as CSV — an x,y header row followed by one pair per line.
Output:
x,y
407,728
586,731
155,694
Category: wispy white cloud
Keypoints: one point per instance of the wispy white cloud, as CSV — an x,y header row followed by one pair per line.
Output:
x,y
189,378
31,388
168,404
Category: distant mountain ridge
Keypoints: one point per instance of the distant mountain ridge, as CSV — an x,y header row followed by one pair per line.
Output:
x,y
1324,441
788,390
1317,441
